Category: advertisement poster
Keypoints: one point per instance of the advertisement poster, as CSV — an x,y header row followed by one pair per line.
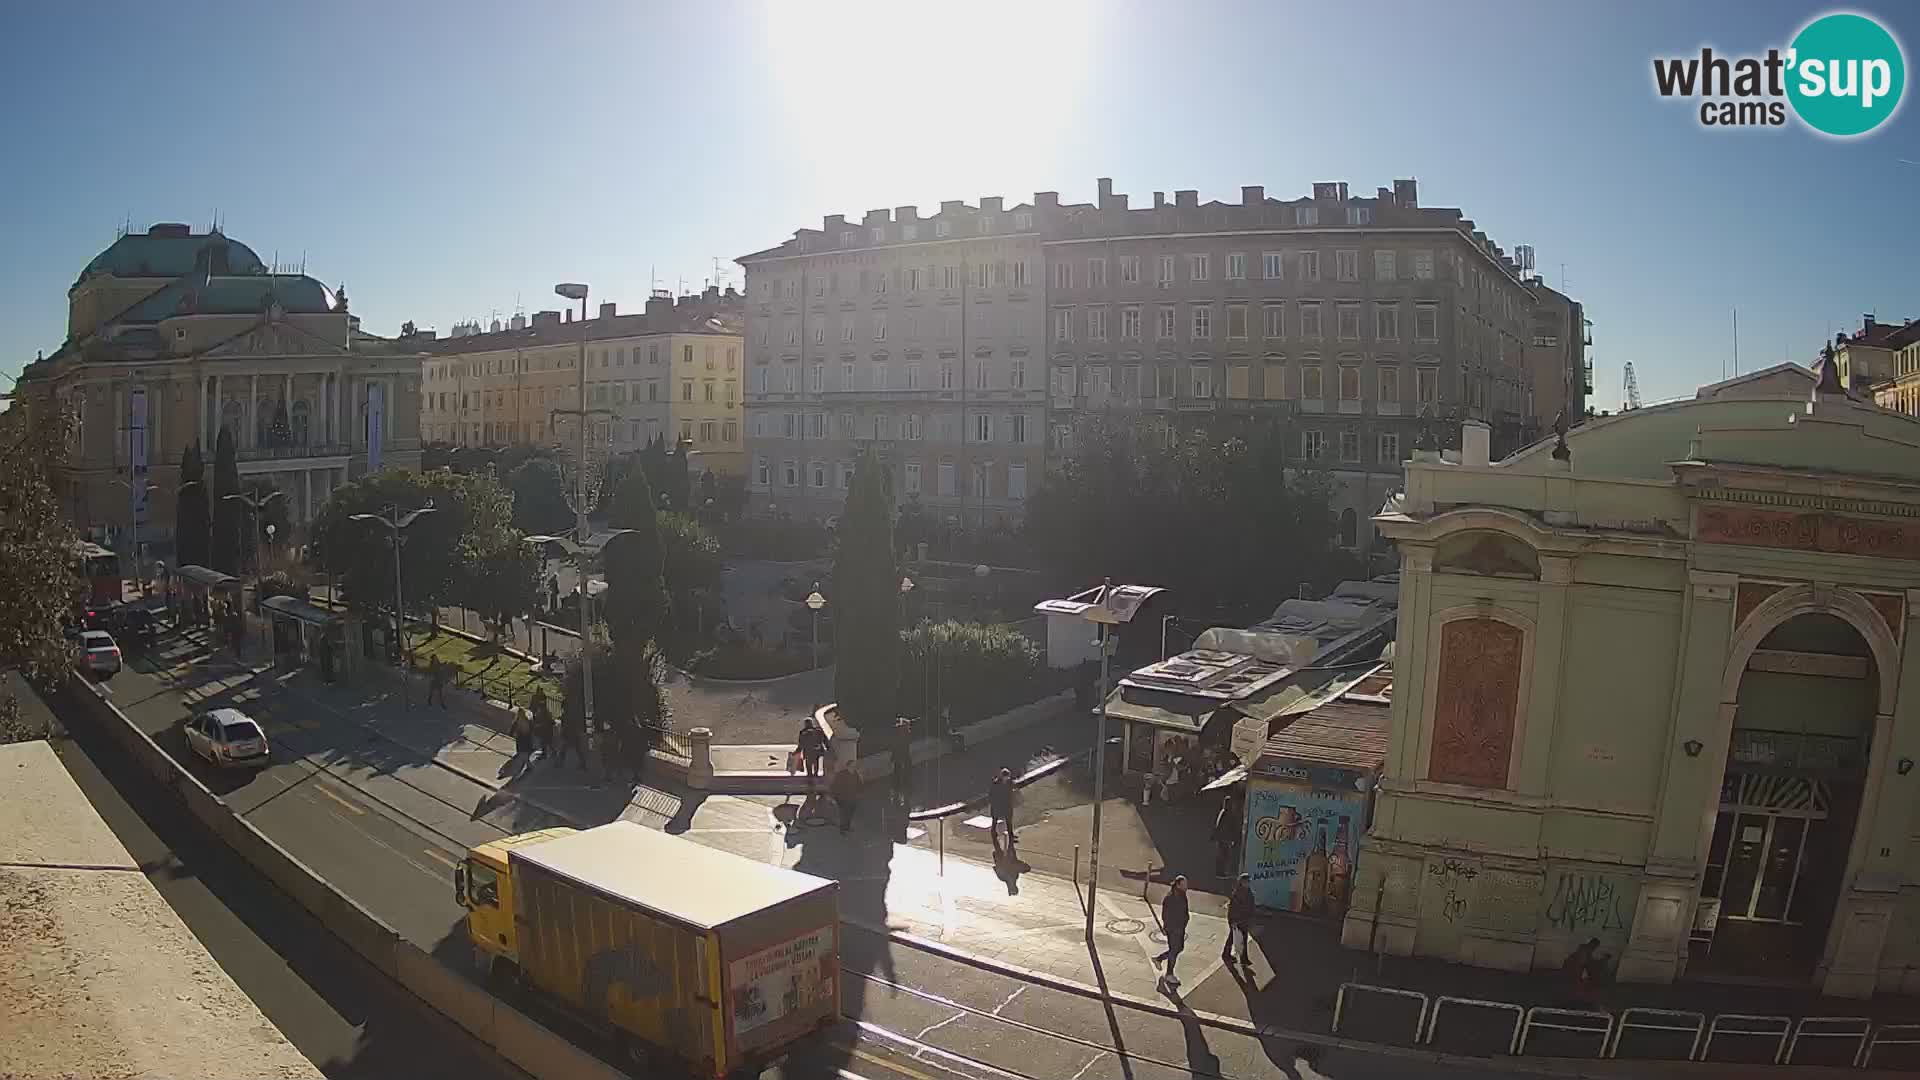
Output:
x,y
137,451
784,979
1300,846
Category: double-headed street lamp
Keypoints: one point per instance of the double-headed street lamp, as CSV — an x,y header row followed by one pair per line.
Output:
x,y
133,528
396,526
580,552
586,491
816,601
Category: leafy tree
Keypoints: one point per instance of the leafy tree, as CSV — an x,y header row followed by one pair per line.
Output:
x,y
666,474
866,602
630,706
36,542
974,669
192,517
502,584
1221,516
539,498
730,496
473,516
224,547
637,604
691,557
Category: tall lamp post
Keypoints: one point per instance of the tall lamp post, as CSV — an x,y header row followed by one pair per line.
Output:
x,y
815,602
585,495
396,526
255,504
133,524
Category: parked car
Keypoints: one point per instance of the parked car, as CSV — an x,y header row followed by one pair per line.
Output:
x,y
227,737
99,656
137,626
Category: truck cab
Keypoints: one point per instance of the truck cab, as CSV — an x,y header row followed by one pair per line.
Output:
x,y
483,886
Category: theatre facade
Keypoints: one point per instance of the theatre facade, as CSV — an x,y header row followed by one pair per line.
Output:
x,y
1648,690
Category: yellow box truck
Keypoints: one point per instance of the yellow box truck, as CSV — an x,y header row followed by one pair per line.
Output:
x,y
678,951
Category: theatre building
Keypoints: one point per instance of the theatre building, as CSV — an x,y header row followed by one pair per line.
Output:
x,y
1649,690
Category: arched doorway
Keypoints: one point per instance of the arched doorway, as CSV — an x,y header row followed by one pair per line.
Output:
x,y
1789,802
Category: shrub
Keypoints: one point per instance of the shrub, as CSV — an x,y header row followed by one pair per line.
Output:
x,y
745,660
974,669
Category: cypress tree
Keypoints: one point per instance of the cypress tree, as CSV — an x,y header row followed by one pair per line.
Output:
x,y
224,546
866,602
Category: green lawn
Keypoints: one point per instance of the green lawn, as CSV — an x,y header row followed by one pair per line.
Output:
x,y
484,667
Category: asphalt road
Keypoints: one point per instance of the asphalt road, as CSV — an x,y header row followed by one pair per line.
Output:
x,y
387,828
343,1014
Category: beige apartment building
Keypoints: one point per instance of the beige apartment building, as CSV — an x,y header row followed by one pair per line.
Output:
x,y
673,372
917,338
1557,355
1342,317
174,336
964,346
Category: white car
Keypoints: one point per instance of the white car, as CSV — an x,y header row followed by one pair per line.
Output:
x,y
227,737
98,653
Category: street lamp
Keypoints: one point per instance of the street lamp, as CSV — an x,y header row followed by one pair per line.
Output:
x,y
586,491
580,552
396,527
255,504
815,602
906,586
133,528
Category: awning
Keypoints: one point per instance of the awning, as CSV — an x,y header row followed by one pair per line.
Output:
x,y
200,575
1143,710
293,607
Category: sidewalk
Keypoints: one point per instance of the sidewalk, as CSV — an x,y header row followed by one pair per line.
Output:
x,y
940,888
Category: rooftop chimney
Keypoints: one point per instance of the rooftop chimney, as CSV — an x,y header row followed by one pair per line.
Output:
x,y
1159,199
1252,194
990,204
834,223
607,309
878,217
567,315
660,303
1406,193
518,322
1475,439
1106,192
1046,200
545,318
1186,199
1383,194
950,206
906,215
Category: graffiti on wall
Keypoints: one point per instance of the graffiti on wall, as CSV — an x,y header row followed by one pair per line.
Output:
x,y
1590,903
1448,891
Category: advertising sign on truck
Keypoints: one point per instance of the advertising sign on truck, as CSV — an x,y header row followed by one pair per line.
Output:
x,y
790,977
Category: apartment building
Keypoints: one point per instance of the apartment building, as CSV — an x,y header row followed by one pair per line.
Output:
x,y
1557,355
1343,317
1880,360
673,371
920,339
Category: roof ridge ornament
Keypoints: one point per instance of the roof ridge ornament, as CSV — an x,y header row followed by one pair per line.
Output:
x,y
1560,450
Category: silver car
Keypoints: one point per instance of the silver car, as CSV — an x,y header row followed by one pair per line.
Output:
x,y
227,737
99,655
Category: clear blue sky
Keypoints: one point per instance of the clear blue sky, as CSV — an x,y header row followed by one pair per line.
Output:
x,y
444,159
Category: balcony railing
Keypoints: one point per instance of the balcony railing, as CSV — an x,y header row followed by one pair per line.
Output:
x,y
308,450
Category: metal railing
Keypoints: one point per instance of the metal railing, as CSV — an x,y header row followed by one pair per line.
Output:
x,y
1856,1028
1747,1025
1440,1003
1340,1003
1660,1020
1904,1035
1579,1021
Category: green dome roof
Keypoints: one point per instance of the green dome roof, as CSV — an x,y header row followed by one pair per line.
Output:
x,y
166,251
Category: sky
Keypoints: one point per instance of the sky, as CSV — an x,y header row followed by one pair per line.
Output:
x,y
452,160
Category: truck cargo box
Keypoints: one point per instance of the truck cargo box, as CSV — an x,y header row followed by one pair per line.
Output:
x,y
719,960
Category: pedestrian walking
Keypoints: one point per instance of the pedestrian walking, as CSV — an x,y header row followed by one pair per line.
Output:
x,y
1240,908
437,681
845,790
572,737
902,759
522,731
1173,923
812,744
1000,808
1226,835
542,724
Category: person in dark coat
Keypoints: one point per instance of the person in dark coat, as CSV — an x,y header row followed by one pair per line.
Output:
x,y
845,789
1000,808
542,725
1226,835
812,744
522,730
1173,923
1240,909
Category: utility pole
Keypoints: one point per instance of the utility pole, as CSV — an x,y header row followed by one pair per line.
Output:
x,y
586,494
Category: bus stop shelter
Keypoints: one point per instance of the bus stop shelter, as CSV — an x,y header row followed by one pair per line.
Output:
x,y
305,632
197,588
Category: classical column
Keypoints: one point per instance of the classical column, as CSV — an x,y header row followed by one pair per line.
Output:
x,y
286,402
219,413
306,513
253,410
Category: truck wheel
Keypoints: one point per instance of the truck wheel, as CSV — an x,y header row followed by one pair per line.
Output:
x,y
503,978
638,1053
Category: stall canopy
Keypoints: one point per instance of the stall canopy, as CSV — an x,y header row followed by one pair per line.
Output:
x,y
1338,735
293,607
211,579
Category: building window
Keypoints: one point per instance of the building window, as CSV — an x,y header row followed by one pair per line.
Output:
x,y
1423,265
1166,327
1236,322
982,427
1389,385
1017,374
1306,215
1310,380
1202,322
946,374
848,238
879,326
817,474
1063,380
1164,379
910,427
943,228
1096,324
762,472
846,375
816,377
1063,275
1130,323
1275,317
911,477
1384,265
1130,269
1349,325
1271,265
1016,481
686,390
1313,445
1349,448
982,373
1426,322
1309,266
1201,382
1237,266
1386,322
1346,265
1017,428
1349,382
879,381
913,374
1199,267
1310,319
1389,448
686,355
1359,215
1165,280
790,473
843,475
1096,273
729,432
709,429
1063,324
946,474
909,232
1023,219
1275,374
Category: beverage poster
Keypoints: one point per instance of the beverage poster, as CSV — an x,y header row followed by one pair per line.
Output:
x,y
1300,846
786,978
